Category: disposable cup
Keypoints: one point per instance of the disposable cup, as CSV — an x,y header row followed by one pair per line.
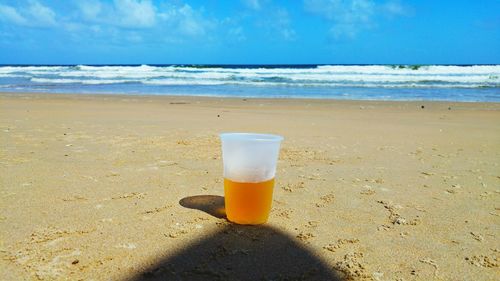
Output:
x,y
249,162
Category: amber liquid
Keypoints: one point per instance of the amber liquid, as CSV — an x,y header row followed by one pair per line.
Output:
x,y
248,203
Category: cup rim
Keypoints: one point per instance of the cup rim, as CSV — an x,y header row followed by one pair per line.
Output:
x,y
251,137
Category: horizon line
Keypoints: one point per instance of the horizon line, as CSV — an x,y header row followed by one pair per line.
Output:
x,y
252,64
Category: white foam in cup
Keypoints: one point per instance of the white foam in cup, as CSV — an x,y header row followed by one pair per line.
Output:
x,y
249,157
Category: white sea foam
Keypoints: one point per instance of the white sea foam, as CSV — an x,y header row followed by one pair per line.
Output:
x,y
10,69
430,69
394,78
178,82
338,73
78,81
182,82
10,75
283,79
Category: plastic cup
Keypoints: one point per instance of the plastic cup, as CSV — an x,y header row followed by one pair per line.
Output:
x,y
249,169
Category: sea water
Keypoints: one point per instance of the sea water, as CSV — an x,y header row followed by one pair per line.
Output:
x,y
363,82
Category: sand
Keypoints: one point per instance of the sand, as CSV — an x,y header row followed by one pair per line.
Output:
x,y
100,187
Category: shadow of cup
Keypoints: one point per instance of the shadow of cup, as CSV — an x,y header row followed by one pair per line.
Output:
x,y
237,252
240,252
210,204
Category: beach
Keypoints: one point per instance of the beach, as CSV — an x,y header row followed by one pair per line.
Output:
x,y
123,187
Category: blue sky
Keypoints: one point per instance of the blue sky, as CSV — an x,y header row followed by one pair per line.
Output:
x,y
249,32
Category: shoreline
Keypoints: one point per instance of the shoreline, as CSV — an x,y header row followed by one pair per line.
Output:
x,y
213,98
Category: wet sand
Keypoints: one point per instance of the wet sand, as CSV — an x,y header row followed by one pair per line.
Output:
x,y
99,187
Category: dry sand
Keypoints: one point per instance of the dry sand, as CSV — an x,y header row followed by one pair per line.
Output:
x,y
129,188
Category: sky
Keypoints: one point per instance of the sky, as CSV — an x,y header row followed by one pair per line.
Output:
x,y
249,32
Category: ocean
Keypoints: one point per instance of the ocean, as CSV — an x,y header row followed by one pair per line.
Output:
x,y
469,83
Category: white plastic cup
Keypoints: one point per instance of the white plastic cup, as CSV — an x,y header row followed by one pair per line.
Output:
x,y
249,170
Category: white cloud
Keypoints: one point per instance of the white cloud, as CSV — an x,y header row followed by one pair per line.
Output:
x,y
188,23
179,19
252,4
341,10
135,13
43,15
10,14
134,37
90,9
274,21
185,20
349,17
282,24
344,30
237,34
139,21
121,13
395,8
34,14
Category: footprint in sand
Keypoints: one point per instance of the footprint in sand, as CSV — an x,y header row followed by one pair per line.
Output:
x,y
175,234
50,234
312,224
112,174
55,267
282,213
138,195
394,214
483,261
432,263
485,195
312,177
180,229
368,190
325,200
352,267
43,257
305,236
384,227
128,246
156,210
477,236
291,187
74,198
332,247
